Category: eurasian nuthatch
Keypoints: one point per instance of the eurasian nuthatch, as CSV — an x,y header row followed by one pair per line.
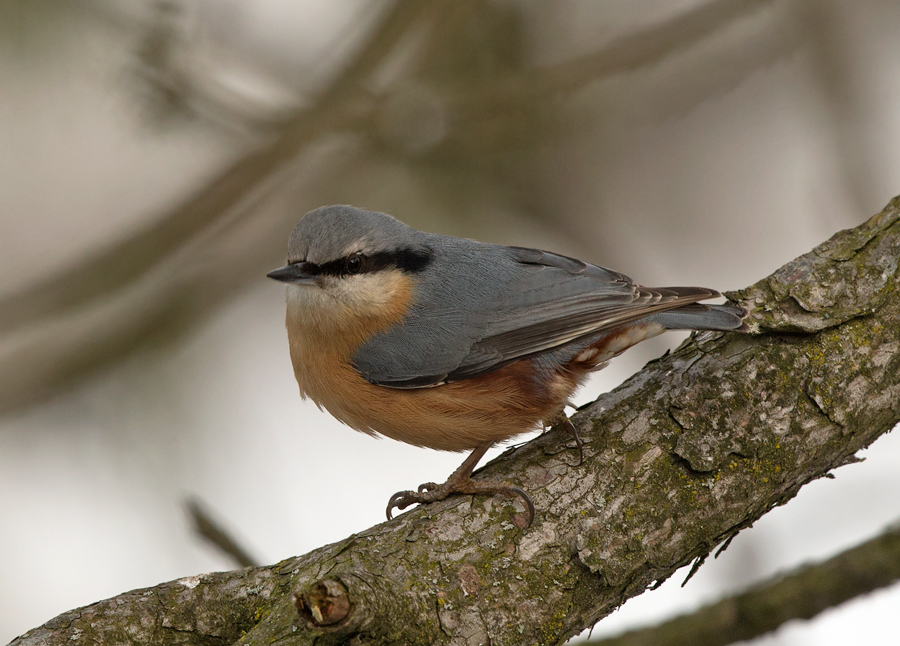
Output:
x,y
455,344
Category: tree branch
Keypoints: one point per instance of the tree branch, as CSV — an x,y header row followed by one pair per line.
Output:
x,y
688,452
50,353
86,315
802,594
207,528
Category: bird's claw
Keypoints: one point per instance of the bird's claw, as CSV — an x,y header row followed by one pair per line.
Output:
x,y
564,422
578,442
400,500
428,492
431,492
526,500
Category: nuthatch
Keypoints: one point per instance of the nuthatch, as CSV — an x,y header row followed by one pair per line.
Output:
x,y
455,344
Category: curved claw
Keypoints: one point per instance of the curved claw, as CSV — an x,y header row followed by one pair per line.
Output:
x,y
400,500
428,486
526,499
579,444
570,427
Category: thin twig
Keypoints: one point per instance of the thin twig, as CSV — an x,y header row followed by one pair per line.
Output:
x,y
212,532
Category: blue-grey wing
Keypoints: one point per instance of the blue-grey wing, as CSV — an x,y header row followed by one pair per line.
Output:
x,y
482,306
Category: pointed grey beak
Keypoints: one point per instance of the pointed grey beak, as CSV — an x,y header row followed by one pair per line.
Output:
x,y
293,273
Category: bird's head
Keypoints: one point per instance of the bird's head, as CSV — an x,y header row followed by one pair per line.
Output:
x,y
349,268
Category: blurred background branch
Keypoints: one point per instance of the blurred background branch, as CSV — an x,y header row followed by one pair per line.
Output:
x,y
801,594
406,90
212,531
203,273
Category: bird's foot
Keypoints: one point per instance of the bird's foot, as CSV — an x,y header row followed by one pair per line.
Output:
x,y
431,492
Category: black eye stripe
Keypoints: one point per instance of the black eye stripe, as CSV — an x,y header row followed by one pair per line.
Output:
x,y
308,267
408,259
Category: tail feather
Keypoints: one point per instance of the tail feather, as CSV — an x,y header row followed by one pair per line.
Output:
x,y
697,316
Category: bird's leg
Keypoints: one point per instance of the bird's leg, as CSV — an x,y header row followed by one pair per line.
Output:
x,y
460,481
562,420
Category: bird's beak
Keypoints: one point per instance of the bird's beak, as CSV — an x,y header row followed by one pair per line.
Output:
x,y
293,273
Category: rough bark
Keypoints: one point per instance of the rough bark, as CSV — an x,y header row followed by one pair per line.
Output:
x,y
801,594
684,455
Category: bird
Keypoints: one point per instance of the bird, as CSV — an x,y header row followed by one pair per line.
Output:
x,y
454,344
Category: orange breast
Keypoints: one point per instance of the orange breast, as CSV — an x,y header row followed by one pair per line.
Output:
x,y
451,417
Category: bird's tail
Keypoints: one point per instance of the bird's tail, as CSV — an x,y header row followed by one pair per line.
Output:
x,y
697,316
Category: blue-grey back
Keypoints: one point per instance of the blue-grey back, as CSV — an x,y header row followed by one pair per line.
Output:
x,y
474,291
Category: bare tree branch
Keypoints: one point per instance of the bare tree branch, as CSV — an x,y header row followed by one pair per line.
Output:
x,y
129,259
213,533
801,594
158,279
688,452
88,314
639,50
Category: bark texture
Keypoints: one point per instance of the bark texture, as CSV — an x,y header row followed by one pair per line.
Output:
x,y
684,455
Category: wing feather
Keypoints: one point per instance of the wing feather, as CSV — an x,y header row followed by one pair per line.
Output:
x,y
505,304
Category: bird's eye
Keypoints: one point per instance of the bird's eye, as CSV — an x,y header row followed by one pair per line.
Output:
x,y
354,263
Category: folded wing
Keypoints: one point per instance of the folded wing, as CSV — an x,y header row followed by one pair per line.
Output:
x,y
507,303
